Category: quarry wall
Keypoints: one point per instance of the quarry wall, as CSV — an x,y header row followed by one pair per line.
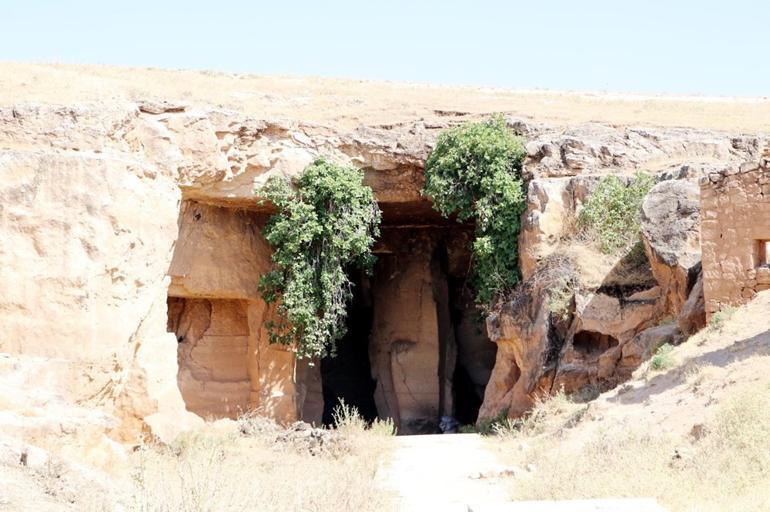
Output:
x,y
120,221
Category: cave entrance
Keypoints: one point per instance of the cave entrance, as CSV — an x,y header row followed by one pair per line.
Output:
x,y
475,357
591,343
347,376
429,353
415,349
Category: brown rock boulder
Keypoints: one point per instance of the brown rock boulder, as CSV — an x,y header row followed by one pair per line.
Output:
x,y
529,339
692,318
644,344
670,225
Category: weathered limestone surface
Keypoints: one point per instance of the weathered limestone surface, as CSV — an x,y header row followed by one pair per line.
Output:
x,y
670,225
644,344
736,225
693,314
93,198
521,331
594,148
213,337
542,350
618,304
404,344
90,215
87,240
219,253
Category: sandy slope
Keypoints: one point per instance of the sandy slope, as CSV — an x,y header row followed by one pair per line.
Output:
x,y
714,364
347,103
460,473
694,436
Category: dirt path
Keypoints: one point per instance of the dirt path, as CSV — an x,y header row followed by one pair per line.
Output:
x,y
443,472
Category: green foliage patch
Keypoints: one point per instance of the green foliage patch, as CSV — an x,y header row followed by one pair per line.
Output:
x,y
475,173
718,319
611,212
662,360
323,225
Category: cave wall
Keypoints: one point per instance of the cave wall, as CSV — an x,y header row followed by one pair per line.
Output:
x,y
226,363
87,240
213,337
425,325
404,344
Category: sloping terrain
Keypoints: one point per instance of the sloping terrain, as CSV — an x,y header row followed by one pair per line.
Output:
x,y
692,428
105,171
694,434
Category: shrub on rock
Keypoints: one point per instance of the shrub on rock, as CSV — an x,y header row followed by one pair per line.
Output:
x,y
475,173
325,223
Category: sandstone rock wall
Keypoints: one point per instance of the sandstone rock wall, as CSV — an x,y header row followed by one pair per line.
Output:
x,y
424,327
671,234
89,218
554,335
87,241
97,217
735,229
404,347
226,364
213,337
623,309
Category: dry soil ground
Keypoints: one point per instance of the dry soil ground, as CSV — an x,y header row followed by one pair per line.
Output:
x,y
348,103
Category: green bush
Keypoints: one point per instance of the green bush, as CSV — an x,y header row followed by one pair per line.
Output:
x,y
662,360
718,319
560,298
324,225
611,212
475,173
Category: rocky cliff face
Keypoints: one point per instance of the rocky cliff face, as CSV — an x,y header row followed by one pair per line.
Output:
x,y
582,321
132,248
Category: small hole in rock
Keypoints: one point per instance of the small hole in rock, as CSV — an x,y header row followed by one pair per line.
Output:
x,y
591,342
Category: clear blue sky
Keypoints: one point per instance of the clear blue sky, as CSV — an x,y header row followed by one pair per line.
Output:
x,y
687,46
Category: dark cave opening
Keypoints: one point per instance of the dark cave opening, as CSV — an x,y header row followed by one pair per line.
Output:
x,y
347,375
467,397
592,342
420,291
475,353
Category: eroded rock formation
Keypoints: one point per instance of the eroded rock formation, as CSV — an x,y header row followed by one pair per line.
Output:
x,y
670,224
107,211
422,317
622,309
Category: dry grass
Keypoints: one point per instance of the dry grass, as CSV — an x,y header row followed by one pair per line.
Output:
x,y
725,465
259,466
694,433
346,102
628,268
549,415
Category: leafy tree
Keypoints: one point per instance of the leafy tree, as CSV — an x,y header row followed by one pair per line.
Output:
x,y
475,173
612,211
326,223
